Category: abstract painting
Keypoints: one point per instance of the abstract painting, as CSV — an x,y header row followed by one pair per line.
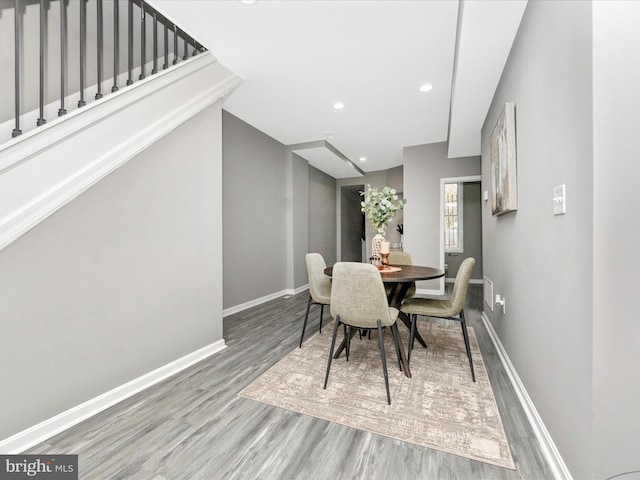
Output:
x,y
503,163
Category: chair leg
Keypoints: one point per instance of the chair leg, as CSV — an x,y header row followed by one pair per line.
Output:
x,y
306,316
394,332
321,315
412,335
466,343
384,361
348,337
333,345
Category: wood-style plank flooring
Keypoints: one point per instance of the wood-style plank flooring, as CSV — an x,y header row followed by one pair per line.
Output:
x,y
194,426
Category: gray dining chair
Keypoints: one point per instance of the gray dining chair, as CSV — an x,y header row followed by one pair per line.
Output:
x,y
358,301
402,258
450,308
319,287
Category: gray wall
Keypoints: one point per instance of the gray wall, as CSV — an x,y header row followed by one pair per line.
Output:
x,y
254,205
119,282
301,223
375,179
472,232
616,276
395,179
351,223
424,166
541,263
276,210
322,215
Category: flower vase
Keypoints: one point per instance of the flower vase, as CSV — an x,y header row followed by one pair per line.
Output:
x,y
376,245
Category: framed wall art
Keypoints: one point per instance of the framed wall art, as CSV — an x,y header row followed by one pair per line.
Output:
x,y
503,163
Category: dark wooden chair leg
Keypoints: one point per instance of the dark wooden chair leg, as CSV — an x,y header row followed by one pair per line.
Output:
x,y
321,315
333,345
306,316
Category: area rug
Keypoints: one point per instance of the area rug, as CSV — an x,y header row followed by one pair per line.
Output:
x,y
440,407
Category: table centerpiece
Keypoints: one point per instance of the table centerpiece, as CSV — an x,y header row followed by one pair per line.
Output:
x,y
380,205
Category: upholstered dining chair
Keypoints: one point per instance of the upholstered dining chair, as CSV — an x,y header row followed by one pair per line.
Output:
x,y
450,308
402,258
358,300
319,287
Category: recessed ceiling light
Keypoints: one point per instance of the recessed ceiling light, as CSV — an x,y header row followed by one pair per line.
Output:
x,y
338,105
248,2
426,87
363,159
328,135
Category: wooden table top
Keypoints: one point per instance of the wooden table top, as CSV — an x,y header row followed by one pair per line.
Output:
x,y
407,273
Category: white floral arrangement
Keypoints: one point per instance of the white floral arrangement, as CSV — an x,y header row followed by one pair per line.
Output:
x,y
380,205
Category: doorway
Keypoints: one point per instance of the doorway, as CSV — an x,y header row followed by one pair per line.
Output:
x,y
352,226
460,226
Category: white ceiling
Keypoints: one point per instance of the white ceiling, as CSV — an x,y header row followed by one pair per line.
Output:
x,y
300,57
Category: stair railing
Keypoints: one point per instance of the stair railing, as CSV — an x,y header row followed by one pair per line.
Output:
x,y
84,29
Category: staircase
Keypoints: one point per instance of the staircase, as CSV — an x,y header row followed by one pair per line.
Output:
x,y
66,54
85,86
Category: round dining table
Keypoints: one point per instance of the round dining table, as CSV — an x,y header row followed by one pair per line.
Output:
x,y
399,278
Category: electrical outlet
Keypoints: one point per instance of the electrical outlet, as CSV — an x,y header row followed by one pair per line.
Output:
x,y
501,302
559,200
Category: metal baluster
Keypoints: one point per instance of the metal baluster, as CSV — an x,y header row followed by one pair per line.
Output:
x,y
130,45
63,48
165,65
186,48
16,131
155,44
99,55
116,45
41,120
175,44
143,41
83,41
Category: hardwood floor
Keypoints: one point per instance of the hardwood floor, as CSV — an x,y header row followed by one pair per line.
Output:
x,y
194,426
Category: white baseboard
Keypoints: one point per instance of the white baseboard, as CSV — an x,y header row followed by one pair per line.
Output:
x,y
549,450
255,302
26,439
427,291
300,289
259,301
473,281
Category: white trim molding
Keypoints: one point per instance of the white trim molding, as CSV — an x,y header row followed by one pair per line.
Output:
x,y
443,181
43,170
427,291
548,447
473,281
26,439
259,301
300,289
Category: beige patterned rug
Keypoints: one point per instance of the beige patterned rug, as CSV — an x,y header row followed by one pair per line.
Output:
x,y
439,407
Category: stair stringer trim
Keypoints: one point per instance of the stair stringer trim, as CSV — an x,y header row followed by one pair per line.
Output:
x,y
52,165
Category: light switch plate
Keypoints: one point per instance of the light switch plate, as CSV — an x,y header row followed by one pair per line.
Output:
x,y
559,200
